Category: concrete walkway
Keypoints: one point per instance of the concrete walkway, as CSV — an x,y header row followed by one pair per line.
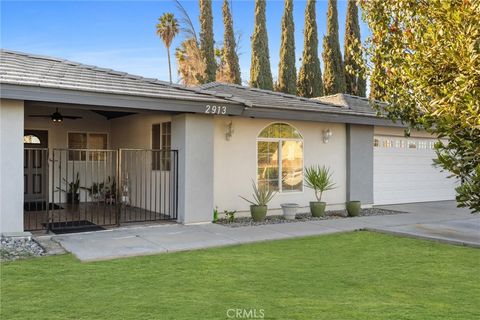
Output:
x,y
440,221
455,225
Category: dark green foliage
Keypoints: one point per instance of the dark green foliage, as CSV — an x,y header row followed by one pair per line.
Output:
x,y
355,82
309,83
427,67
461,156
287,72
206,39
376,91
260,73
230,215
333,73
362,85
230,57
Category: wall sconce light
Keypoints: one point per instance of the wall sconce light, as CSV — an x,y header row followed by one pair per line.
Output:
x,y
228,131
327,134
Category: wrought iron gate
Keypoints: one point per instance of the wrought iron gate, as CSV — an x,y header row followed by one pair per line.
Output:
x,y
148,184
89,187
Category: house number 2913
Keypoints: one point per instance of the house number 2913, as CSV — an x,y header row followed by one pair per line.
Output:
x,y
215,109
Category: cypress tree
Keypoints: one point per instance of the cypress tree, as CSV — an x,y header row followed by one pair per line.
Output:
x,y
355,83
287,72
206,39
361,85
230,56
333,73
260,73
309,82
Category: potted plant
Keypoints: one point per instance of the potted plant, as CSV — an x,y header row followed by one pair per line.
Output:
x,y
261,197
320,180
103,191
353,208
111,191
97,191
72,190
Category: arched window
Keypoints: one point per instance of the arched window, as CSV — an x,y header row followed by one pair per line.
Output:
x,y
31,139
280,158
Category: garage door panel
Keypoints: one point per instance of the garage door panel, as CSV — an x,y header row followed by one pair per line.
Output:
x,y
418,189
424,178
399,184
403,174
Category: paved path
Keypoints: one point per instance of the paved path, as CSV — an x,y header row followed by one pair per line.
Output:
x,y
456,226
440,221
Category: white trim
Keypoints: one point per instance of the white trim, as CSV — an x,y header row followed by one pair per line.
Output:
x,y
280,142
279,122
88,134
88,144
160,148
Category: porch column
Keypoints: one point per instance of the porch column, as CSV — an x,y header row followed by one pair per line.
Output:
x,y
192,136
360,163
11,167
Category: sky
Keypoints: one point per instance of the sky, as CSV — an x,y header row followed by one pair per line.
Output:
x,y
121,34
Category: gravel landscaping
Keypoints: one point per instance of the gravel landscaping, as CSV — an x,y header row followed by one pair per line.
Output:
x,y
334,214
18,248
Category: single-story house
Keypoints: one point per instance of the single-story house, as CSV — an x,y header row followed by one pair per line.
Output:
x,y
85,145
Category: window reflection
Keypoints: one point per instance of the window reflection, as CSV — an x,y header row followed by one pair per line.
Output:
x,y
31,139
280,158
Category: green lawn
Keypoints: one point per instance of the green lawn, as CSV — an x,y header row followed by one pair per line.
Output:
x,y
357,275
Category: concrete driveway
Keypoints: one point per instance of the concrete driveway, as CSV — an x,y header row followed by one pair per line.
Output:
x,y
448,224
440,221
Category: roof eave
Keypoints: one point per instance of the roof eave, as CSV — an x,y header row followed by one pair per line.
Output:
x,y
99,99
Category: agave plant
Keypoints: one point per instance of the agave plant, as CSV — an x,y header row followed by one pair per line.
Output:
x,y
72,187
319,179
261,196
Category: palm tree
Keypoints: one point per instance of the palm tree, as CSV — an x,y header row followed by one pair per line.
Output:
x,y
167,29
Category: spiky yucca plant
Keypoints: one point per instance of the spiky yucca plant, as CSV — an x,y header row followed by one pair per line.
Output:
x,y
261,196
319,178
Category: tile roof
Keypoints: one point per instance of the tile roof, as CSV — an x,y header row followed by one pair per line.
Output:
x,y
24,69
258,98
358,104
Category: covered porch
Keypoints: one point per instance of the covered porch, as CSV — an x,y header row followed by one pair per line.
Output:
x,y
88,168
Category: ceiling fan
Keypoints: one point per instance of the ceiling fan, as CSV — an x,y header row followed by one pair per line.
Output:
x,y
56,116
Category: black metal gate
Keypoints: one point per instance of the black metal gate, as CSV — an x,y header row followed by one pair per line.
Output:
x,y
96,188
149,184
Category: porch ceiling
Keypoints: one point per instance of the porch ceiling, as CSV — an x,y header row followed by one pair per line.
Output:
x,y
102,110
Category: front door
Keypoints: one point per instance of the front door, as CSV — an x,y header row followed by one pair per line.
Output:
x,y
35,163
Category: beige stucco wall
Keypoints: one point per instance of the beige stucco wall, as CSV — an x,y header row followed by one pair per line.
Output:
x,y
11,166
235,162
149,189
193,137
135,131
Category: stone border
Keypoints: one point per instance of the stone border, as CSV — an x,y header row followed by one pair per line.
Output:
x,y
304,217
13,248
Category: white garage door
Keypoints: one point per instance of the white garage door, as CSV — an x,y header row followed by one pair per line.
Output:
x,y
403,172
